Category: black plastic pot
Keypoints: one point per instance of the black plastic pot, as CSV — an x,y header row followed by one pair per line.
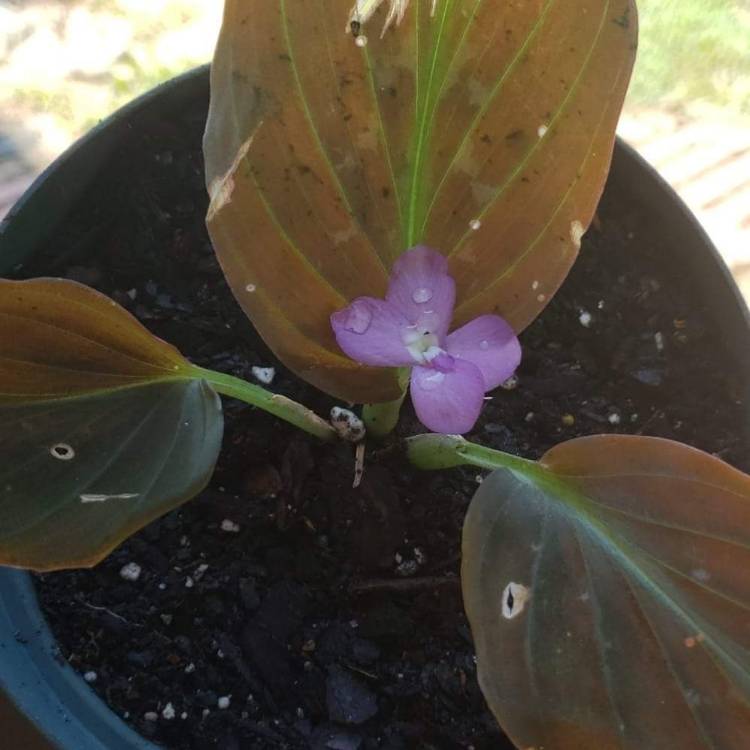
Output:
x,y
44,704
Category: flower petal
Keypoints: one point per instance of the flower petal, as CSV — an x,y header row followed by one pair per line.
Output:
x,y
370,331
422,290
448,402
491,344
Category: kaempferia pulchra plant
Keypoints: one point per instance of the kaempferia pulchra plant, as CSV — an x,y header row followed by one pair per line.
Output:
x,y
397,189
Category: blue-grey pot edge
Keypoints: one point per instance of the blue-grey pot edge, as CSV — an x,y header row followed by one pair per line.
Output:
x,y
39,682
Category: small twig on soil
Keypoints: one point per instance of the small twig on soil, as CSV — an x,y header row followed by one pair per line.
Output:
x,y
108,611
361,671
403,585
359,464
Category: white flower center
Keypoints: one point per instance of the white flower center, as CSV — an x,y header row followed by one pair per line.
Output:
x,y
421,343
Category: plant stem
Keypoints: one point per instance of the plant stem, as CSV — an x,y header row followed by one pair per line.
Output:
x,y
446,451
381,419
280,406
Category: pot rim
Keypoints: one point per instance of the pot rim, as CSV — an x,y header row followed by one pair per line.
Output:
x,y
53,706
66,178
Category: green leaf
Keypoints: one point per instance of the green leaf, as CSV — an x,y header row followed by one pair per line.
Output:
x,y
105,427
609,597
484,130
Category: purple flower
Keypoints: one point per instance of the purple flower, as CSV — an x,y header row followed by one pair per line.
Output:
x,y
450,372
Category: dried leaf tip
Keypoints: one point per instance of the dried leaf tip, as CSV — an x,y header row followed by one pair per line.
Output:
x,y
363,10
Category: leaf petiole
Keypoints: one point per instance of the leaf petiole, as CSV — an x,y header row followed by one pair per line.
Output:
x,y
381,419
436,451
274,403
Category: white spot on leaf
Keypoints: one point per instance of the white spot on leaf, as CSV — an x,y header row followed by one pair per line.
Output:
x,y
104,498
250,288
515,596
542,131
692,641
475,224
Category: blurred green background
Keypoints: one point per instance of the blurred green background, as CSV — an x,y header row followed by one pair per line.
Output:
x,y
693,52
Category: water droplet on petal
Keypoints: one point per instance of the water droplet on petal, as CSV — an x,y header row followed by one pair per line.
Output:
x,y
422,295
484,345
432,381
359,319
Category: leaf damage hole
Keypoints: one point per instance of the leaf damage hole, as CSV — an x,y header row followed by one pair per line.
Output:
x,y
62,452
222,187
514,599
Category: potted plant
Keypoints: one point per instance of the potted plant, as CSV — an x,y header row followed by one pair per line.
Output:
x,y
576,567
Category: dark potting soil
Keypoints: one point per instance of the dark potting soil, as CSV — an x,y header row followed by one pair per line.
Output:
x,y
281,608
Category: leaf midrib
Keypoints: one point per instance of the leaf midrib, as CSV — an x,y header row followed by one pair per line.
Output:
x,y
423,121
